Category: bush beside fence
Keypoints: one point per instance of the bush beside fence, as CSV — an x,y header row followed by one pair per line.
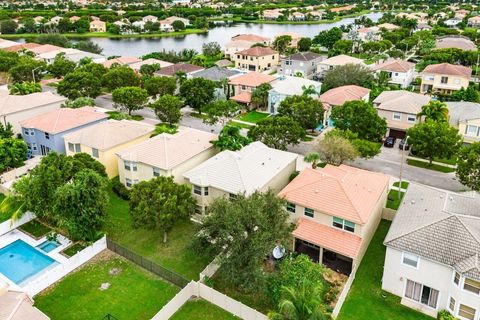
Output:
x,y
147,264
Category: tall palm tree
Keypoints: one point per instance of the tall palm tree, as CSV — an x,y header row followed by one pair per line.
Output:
x,y
309,90
434,110
303,303
313,158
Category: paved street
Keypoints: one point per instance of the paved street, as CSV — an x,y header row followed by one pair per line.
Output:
x,y
388,161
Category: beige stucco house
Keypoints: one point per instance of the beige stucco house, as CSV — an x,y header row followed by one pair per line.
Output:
x,y
400,108
336,61
337,210
102,141
98,26
255,167
444,78
466,117
14,109
256,59
165,155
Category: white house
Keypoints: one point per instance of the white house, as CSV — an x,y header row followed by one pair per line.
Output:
x,y
287,86
336,61
433,248
399,71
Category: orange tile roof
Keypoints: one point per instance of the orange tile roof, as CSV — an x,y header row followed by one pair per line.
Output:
x,y
339,241
63,119
345,192
250,37
252,79
449,69
396,65
121,61
258,52
22,46
338,96
44,49
242,97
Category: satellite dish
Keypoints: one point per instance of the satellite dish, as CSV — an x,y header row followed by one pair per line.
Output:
x,y
278,252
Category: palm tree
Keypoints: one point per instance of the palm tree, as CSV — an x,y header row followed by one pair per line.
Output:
x,y
313,158
434,110
309,90
300,304
13,207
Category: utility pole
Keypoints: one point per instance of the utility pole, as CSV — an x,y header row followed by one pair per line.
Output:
x,y
401,166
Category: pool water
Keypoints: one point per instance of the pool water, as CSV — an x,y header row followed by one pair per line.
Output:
x,y
48,245
20,261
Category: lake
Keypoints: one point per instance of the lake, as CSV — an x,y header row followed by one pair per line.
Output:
x,y
141,46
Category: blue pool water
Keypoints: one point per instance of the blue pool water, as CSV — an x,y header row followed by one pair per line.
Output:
x,y
48,245
20,261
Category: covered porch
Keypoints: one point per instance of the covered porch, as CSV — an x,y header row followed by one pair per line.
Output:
x,y
336,249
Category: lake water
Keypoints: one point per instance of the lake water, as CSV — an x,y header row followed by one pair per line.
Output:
x,y
141,46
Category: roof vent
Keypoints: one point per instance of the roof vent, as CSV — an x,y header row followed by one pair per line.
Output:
x,y
412,202
317,191
451,198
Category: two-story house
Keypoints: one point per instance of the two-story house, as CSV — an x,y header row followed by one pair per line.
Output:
x,y
14,109
44,133
336,61
474,22
287,86
337,210
243,86
455,42
444,78
399,72
256,59
466,117
255,167
98,26
400,109
167,154
433,248
103,140
243,42
301,64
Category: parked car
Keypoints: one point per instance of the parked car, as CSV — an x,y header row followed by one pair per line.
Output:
x,y
403,145
389,142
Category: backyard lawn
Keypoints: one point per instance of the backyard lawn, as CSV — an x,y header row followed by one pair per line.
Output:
x,y
35,228
202,310
393,202
133,293
253,116
365,300
176,255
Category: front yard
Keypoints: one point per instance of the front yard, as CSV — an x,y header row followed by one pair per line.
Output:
x,y
176,255
366,299
253,116
133,292
202,310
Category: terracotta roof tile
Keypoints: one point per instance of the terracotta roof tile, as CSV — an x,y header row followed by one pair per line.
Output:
x,y
258,52
395,65
449,69
252,79
338,96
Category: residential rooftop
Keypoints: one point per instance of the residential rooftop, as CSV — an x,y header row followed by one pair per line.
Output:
x,y
304,56
449,69
178,67
338,96
401,101
252,79
258,52
341,60
216,73
11,103
395,65
289,85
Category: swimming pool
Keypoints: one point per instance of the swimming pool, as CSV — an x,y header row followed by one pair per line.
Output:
x,y
20,261
48,245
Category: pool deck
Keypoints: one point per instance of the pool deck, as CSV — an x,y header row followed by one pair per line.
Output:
x,y
55,254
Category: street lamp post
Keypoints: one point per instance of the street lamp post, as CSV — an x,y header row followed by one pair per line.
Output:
x,y
401,166
33,73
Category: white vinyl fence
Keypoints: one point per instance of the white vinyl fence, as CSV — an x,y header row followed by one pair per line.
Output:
x,y
198,289
59,271
10,224
210,270
343,295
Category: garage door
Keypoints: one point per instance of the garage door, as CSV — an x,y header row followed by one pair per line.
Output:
x,y
399,134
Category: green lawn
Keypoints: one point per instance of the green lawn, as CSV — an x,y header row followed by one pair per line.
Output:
x,y
35,228
253,116
201,310
404,184
73,249
240,125
133,293
366,300
426,165
165,127
393,202
176,255
117,115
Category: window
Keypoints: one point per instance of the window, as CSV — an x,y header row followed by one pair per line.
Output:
x,y
198,209
205,191
288,62
451,304
397,116
244,88
411,118
75,147
472,130
130,166
26,132
232,196
456,278
128,182
32,132
396,74
471,285
343,224
94,153
466,312
47,135
156,172
34,146
71,147
420,293
309,212
291,207
410,259
444,80
197,190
